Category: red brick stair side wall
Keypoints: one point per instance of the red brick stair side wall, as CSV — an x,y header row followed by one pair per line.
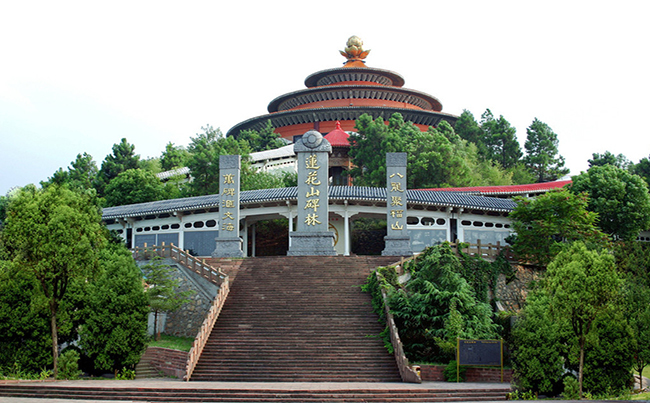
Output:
x,y
170,362
433,373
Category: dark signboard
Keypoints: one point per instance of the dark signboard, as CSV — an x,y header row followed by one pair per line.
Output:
x,y
479,352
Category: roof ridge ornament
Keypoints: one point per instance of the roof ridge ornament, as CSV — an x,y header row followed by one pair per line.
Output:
x,y
354,52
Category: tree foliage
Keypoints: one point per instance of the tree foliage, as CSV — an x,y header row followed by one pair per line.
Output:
x,y
161,290
265,139
582,285
620,199
173,157
500,139
203,162
122,159
544,224
54,234
642,169
134,186
421,307
114,333
619,161
542,156
436,158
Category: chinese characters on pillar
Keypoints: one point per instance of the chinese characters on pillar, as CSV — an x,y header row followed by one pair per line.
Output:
x,y
397,201
313,195
228,203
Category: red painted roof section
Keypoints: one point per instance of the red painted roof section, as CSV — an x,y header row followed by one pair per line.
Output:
x,y
532,188
338,137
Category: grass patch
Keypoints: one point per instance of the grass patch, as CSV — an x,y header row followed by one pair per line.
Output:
x,y
641,396
173,342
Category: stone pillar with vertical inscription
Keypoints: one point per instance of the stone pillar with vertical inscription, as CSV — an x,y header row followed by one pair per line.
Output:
x,y
311,236
229,244
398,241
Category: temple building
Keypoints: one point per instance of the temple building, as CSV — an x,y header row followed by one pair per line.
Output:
x,y
342,95
330,104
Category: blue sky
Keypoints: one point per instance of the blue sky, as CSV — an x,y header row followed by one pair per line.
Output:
x,y
78,76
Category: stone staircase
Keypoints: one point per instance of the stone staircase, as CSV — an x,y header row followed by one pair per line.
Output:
x,y
298,319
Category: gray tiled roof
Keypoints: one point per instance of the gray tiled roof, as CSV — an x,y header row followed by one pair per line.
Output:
x,y
352,193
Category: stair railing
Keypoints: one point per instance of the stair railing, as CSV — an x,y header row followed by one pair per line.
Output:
x,y
184,258
406,372
206,328
214,275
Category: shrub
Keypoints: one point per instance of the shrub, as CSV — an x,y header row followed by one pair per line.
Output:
x,y
69,365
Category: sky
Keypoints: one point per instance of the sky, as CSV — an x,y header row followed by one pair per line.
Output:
x,y
79,76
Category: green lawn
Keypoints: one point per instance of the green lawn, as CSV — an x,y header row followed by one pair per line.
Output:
x,y
173,342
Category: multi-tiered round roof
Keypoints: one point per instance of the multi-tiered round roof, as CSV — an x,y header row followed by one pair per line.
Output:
x,y
343,94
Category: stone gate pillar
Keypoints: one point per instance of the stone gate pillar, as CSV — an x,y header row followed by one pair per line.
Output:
x,y
311,237
229,244
398,241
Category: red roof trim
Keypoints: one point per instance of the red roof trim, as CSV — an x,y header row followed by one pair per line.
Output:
x,y
533,187
338,137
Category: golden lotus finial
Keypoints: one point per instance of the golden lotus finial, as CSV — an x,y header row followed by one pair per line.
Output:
x,y
354,52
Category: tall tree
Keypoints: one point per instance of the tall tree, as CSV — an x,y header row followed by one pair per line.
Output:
x,y
542,156
620,199
122,159
642,169
582,285
114,332
619,161
161,291
134,186
468,129
55,234
544,224
265,139
173,157
203,162
500,139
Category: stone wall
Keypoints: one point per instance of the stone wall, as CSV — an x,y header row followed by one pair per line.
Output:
x,y
511,296
170,362
187,320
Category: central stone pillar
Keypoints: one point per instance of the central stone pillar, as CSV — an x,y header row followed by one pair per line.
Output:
x,y
311,237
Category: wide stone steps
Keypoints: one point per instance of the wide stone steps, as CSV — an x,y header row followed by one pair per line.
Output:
x,y
269,393
298,319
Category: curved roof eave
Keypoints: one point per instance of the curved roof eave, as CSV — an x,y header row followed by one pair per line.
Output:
x,y
311,115
435,103
353,193
395,78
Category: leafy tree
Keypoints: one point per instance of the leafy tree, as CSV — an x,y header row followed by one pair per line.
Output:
x,y
436,158
173,157
582,285
161,292
544,224
265,139
24,321
134,186
619,161
637,313
55,235
122,159
500,139
114,334
521,175
421,307
152,165
468,129
203,162
642,169
542,156
538,350
620,199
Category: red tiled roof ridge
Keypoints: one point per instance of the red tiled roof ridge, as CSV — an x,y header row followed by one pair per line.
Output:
x,y
532,187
